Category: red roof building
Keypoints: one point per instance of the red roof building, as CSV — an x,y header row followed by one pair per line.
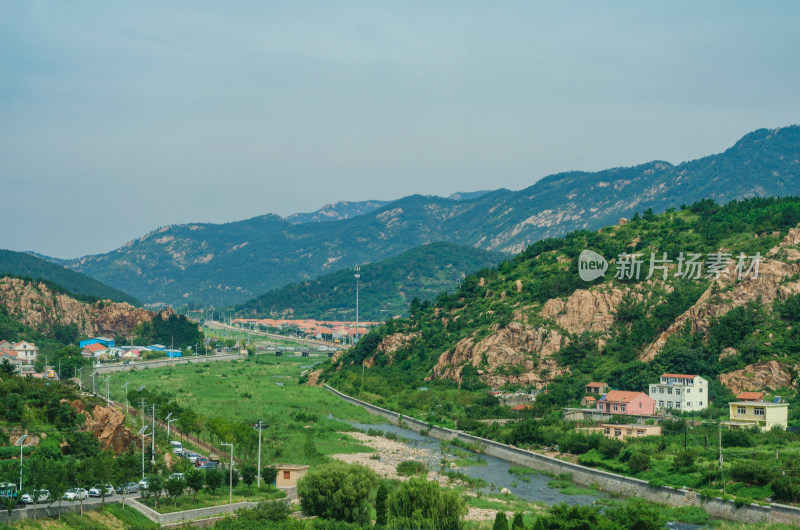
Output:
x,y
750,396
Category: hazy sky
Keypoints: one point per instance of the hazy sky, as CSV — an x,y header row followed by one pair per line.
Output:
x,y
119,117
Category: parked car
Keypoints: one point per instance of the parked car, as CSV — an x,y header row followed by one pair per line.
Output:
x,y
130,487
178,476
177,447
99,489
44,496
200,461
74,494
209,465
193,457
143,483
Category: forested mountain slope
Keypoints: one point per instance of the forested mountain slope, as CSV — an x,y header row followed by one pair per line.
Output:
x,y
532,322
230,263
24,264
386,288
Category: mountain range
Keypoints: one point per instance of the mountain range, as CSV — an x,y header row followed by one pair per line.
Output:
x,y
226,264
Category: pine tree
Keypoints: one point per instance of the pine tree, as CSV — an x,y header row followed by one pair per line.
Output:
x,y
500,522
380,505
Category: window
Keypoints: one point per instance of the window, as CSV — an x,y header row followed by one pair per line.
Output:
x,y
616,407
286,475
741,410
607,430
661,390
759,411
677,391
701,390
677,404
652,390
630,431
640,432
622,408
669,390
688,390
669,404
617,432
688,403
661,404
700,403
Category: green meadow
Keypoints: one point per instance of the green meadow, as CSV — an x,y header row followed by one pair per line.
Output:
x,y
298,427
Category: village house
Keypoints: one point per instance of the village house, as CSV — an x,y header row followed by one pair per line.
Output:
x,y
596,388
762,414
94,350
750,396
612,430
680,392
26,351
589,401
105,341
629,403
10,356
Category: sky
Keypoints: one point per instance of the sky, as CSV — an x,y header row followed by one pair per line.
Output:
x,y
120,117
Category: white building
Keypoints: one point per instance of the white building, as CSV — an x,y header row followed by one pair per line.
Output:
x,y
26,351
680,392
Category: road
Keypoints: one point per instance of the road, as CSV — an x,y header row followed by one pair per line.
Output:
x,y
306,342
86,502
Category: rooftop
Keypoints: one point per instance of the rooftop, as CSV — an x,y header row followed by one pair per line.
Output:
x,y
622,396
679,376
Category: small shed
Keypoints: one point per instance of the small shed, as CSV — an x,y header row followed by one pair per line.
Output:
x,y
289,474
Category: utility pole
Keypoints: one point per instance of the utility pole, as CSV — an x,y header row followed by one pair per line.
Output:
x,y
21,444
258,475
153,438
685,427
108,393
125,386
141,432
358,276
230,478
721,473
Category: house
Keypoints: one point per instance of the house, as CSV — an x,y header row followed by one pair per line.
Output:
x,y
105,341
680,392
6,345
612,430
173,353
596,388
26,351
10,356
630,403
750,396
521,407
762,414
94,350
589,401
157,347
289,474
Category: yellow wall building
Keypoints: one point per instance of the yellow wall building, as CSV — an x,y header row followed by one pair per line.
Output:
x,y
763,414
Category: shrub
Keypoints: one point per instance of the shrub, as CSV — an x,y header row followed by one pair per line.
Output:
x,y
683,460
639,462
609,448
337,491
737,438
500,521
418,503
785,488
411,467
751,472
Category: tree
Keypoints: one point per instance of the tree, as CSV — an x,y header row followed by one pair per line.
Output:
x,y
195,480
102,469
418,503
6,368
380,505
337,491
249,474
175,487
155,488
233,477
270,475
214,480
500,521
518,522
56,482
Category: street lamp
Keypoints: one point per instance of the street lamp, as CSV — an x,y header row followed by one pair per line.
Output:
x,y
230,478
94,382
20,444
142,434
108,393
169,422
125,386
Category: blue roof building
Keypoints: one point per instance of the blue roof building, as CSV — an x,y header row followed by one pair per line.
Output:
x,y
105,341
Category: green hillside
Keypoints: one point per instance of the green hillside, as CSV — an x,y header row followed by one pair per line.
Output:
x,y
230,263
533,323
26,265
386,288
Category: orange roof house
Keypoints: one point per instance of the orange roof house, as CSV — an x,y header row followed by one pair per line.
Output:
x,y
630,403
596,388
750,396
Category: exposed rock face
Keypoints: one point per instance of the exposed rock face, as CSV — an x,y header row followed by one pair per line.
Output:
x,y
107,424
35,305
505,356
584,310
390,345
759,376
725,294
313,377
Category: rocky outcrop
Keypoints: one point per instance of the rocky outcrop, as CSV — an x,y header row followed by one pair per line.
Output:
x,y
313,377
107,424
726,293
37,306
514,354
584,310
760,376
389,345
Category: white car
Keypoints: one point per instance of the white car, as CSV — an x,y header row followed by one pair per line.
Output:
x,y
75,494
97,490
44,496
178,476
143,483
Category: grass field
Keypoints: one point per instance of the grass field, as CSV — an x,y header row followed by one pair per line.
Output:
x,y
264,388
